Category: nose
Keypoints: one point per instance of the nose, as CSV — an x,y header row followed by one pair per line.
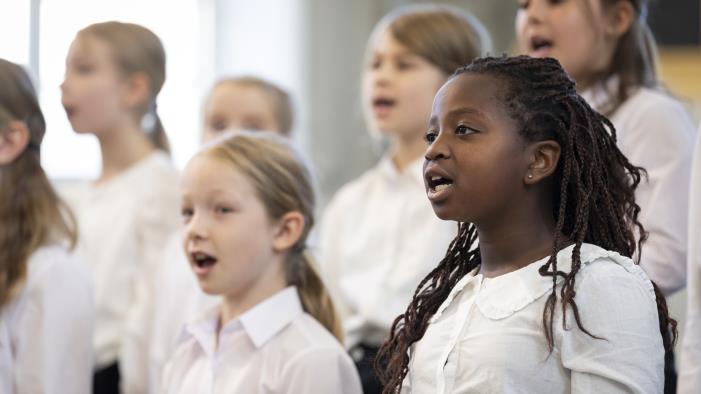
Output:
x,y
438,149
382,74
196,229
535,11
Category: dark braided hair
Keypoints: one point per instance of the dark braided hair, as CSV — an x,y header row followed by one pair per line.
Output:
x,y
594,202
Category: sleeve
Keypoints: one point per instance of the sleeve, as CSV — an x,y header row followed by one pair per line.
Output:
x,y
619,308
690,369
157,221
659,138
326,370
54,353
330,251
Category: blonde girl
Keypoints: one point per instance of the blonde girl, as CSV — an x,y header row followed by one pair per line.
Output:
x,y
379,236
114,72
236,103
46,294
247,208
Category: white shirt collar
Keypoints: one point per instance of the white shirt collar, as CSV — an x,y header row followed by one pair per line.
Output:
x,y
504,295
261,323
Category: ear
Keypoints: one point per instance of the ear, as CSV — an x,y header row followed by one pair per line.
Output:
x,y
288,230
544,156
618,18
13,141
137,90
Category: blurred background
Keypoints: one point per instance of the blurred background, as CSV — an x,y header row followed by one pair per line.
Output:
x,y
313,48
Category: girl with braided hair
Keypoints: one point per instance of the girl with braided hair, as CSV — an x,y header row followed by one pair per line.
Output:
x,y
548,298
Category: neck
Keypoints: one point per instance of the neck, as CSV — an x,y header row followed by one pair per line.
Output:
x,y
121,148
406,150
522,237
235,304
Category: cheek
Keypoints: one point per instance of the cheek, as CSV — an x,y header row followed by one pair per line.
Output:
x,y
520,26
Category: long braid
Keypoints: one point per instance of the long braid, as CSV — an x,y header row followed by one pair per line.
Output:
x,y
594,203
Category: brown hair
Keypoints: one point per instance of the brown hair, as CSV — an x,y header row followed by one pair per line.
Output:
x,y
278,99
284,184
136,49
634,60
446,36
32,213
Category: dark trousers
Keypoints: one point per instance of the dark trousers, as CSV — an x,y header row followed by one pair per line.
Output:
x,y
670,373
364,358
106,380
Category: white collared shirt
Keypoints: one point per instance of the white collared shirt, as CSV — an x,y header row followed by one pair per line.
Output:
x,y
488,336
655,132
379,239
690,369
124,223
275,347
46,330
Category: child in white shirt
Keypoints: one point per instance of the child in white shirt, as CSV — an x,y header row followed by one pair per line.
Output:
x,y
538,293
247,207
240,103
46,295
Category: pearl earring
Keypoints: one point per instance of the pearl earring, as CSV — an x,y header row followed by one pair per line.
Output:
x,y
530,176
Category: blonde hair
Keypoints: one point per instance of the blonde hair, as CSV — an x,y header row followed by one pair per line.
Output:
x,y
284,184
32,213
278,99
136,49
447,36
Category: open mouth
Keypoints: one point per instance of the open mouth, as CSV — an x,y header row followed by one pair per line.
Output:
x,y
383,104
540,45
202,262
437,184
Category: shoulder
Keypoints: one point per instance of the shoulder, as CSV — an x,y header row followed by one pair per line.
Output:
x,y
305,341
352,193
607,278
57,277
653,105
54,265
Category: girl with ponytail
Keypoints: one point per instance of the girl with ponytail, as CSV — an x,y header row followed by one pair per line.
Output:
x,y
114,72
247,206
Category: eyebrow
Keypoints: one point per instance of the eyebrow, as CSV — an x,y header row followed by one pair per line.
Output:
x,y
467,111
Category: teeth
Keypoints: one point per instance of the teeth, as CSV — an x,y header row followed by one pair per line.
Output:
x,y
441,187
435,178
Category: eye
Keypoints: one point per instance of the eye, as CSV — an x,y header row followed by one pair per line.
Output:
x,y
463,130
223,210
253,125
83,68
375,64
523,4
218,125
404,65
186,214
430,137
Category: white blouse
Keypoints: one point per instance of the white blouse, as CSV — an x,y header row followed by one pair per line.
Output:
x,y
690,368
655,132
275,347
46,330
379,239
124,223
488,336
